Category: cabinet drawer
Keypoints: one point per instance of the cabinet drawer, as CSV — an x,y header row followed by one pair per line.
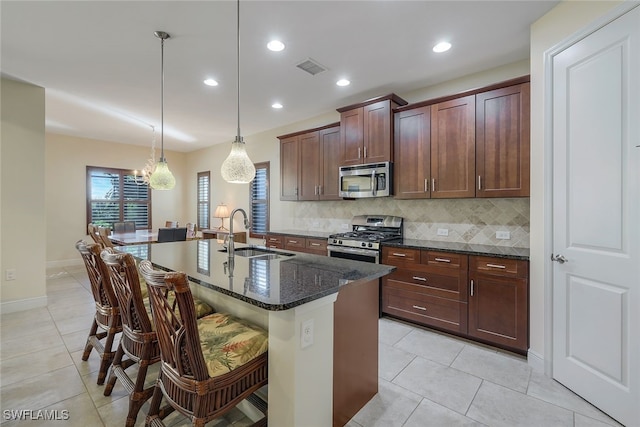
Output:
x,y
444,259
317,246
499,266
276,242
399,256
295,243
425,309
452,286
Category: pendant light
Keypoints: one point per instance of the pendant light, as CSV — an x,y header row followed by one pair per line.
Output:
x,y
238,167
162,178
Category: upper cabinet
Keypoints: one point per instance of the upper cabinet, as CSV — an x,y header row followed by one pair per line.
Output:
x,y
453,143
366,130
309,164
502,142
472,145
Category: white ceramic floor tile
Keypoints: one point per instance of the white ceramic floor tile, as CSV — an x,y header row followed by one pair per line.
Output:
x,y
495,367
77,411
391,361
584,421
390,407
498,406
20,368
430,414
444,385
48,337
549,390
391,331
76,340
42,391
431,346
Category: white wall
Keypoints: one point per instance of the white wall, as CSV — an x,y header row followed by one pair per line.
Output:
x,y
66,161
22,194
561,22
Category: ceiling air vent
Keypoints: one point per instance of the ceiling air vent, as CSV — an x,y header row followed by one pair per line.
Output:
x,y
311,66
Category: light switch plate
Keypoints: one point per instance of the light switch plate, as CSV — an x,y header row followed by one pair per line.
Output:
x,y
503,235
306,333
443,231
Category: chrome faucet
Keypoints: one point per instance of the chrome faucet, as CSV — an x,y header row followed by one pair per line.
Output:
x,y
231,248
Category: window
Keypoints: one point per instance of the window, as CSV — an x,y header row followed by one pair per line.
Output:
x,y
259,201
204,261
204,197
113,195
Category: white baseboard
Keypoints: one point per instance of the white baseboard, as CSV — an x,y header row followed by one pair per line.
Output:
x,y
535,361
23,304
64,263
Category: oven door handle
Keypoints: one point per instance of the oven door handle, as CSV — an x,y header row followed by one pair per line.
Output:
x,y
356,251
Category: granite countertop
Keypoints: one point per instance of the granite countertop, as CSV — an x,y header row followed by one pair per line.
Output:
x,y
290,280
463,248
317,234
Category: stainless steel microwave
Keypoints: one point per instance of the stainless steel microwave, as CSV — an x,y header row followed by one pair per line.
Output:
x,y
370,180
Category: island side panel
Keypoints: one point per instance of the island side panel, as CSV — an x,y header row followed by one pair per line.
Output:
x,y
355,350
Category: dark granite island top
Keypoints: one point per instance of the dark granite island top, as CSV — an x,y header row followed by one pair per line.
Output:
x,y
289,280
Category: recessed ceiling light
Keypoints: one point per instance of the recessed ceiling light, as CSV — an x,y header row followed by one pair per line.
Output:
x,y
442,47
275,45
211,82
276,105
343,82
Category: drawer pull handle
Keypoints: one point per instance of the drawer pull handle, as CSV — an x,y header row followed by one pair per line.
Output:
x,y
271,239
496,266
315,244
397,254
443,260
472,288
422,279
293,241
417,307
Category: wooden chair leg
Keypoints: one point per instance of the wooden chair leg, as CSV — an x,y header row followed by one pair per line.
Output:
x,y
154,407
117,361
89,346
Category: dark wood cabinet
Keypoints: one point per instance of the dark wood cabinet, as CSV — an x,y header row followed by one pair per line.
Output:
x,y
453,148
297,243
366,130
309,164
412,153
502,142
289,161
477,297
428,287
499,301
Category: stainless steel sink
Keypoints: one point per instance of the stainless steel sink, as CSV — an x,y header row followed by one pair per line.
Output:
x,y
253,252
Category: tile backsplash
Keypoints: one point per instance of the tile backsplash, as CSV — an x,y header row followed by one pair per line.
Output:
x,y
466,220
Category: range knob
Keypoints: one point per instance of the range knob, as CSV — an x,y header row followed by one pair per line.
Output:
x,y
340,242
363,244
370,245
335,240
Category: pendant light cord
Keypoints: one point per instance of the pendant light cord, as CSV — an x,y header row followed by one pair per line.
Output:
x,y
239,138
162,99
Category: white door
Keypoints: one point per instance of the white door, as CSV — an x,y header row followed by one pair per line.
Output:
x,y
596,217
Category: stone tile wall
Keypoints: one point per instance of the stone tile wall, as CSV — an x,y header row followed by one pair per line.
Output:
x,y
468,220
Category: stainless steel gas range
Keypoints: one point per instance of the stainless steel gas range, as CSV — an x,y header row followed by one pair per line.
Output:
x,y
362,243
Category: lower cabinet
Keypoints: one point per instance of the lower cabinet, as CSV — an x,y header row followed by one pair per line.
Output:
x,y
481,298
499,301
311,245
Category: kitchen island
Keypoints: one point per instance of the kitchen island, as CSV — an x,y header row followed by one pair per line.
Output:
x,y
321,314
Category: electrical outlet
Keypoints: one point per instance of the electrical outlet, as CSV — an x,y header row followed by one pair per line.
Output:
x,y
443,231
503,235
306,333
10,274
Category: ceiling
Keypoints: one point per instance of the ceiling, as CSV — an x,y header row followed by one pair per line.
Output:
x,y
100,62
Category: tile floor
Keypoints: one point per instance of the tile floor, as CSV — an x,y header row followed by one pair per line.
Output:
x,y
426,378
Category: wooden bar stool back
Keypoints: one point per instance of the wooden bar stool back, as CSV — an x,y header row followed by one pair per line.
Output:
x,y
139,341
186,379
106,322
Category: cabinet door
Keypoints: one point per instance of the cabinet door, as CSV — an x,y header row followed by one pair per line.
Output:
x,y
377,133
499,302
309,175
351,136
502,142
453,148
412,146
330,156
289,158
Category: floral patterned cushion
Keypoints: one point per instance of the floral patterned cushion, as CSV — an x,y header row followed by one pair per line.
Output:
x,y
228,342
202,308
